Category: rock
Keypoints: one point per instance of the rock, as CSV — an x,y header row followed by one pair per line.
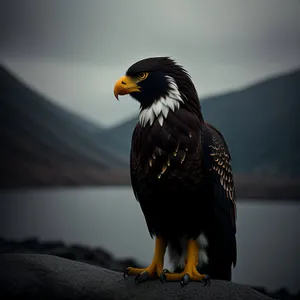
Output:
x,y
99,257
41,276
96,256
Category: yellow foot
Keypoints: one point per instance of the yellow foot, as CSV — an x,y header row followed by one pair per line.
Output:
x,y
155,269
185,277
190,272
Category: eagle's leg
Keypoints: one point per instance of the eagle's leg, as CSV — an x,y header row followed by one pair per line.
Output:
x,y
156,266
190,272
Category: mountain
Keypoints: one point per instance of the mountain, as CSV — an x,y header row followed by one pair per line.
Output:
x,y
260,124
45,144
41,141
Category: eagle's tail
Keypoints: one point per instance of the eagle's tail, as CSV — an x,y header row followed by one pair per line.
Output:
x,y
221,255
219,271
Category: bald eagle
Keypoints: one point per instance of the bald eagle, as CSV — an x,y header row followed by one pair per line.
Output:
x,y
181,176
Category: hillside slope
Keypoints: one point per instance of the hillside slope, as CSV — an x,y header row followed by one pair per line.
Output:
x,y
40,139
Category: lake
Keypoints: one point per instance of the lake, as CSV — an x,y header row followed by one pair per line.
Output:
x,y
267,231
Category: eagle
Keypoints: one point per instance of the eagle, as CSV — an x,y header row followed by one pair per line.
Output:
x,y
181,175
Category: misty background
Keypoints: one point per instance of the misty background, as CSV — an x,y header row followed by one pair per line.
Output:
x,y
65,140
74,51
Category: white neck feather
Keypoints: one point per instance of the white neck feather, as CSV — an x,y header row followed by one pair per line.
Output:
x,y
160,108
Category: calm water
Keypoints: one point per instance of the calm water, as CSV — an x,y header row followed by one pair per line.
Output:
x,y
268,232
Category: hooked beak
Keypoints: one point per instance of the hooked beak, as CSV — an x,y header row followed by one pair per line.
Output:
x,y
125,85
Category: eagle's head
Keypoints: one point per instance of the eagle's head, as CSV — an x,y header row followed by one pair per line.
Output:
x,y
159,84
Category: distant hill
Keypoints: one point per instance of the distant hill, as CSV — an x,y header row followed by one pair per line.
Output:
x,y
260,124
43,144
41,141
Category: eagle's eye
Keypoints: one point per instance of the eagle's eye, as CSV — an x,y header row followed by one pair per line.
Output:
x,y
142,75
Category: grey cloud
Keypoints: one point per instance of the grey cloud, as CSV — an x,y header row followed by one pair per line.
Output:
x,y
111,31
73,50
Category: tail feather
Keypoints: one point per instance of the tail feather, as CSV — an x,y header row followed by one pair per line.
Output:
x,y
222,257
217,271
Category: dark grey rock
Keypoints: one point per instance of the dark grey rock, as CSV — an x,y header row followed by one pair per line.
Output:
x,y
96,256
43,277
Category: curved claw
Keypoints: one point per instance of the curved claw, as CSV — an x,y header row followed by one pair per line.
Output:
x,y
206,280
185,279
126,273
162,276
142,277
136,280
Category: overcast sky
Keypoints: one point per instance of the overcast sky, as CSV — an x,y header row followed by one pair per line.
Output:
x,y
74,51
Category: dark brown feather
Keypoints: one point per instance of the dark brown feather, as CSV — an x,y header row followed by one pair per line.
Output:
x,y
181,173
222,165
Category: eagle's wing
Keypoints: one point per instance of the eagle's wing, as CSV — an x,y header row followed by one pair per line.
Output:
x,y
217,167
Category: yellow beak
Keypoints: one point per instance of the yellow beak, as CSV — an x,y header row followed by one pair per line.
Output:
x,y
125,85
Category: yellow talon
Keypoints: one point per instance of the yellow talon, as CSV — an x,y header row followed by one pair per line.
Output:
x,y
156,267
190,272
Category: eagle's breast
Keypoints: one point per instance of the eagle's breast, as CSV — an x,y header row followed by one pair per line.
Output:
x,y
170,137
